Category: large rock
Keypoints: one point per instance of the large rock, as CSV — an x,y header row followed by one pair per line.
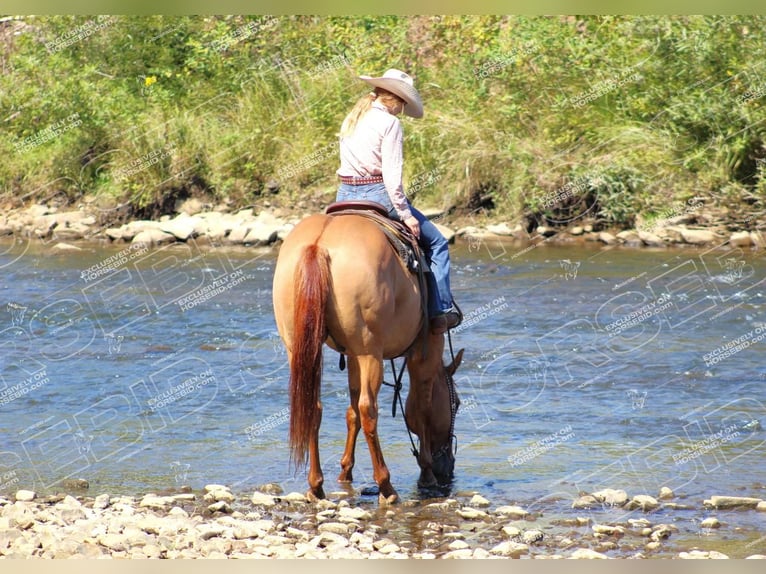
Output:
x,y
153,237
611,497
263,234
606,237
182,227
732,502
447,233
644,502
510,549
513,512
741,239
651,239
261,499
25,495
697,236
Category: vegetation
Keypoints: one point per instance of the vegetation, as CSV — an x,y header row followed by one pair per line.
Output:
x,y
547,118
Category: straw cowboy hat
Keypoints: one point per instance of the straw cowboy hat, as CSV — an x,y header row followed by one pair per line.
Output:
x,y
401,84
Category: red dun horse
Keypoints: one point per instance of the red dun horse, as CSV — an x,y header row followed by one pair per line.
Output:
x,y
338,281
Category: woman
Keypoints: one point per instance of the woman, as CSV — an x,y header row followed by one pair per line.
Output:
x,y
371,141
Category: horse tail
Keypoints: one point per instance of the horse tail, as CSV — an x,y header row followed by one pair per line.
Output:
x,y
312,279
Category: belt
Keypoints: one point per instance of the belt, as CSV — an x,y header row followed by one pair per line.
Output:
x,y
352,180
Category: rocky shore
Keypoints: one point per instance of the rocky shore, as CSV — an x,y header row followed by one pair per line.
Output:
x,y
223,224
216,523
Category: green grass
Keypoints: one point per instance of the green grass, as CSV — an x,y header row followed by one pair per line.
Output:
x,y
643,113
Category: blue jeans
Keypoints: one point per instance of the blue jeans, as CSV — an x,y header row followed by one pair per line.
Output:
x,y
431,239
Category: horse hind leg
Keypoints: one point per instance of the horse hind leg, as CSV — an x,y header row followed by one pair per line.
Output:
x,y
315,478
371,378
353,425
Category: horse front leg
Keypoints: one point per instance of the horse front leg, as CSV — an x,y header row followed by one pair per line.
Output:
x,y
353,425
371,378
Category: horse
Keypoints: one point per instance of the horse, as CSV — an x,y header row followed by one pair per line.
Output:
x,y
338,281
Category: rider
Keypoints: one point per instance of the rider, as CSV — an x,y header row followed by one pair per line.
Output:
x,y
371,141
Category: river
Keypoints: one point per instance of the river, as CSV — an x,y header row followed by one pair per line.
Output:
x,y
585,367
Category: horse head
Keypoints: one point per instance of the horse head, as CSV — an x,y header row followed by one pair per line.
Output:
x,y
434,422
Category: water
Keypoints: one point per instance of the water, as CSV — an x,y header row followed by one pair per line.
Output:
x,y
585,367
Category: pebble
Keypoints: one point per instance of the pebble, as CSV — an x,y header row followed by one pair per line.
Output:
x,y
666,493
471,513
532,536
510,549
644,502
711,522
478,500
512,512
587,554
25,495
62,526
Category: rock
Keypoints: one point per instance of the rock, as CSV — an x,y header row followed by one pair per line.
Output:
x,y
660,532
25,495
221,506
272,488
607,530
114,542
261,499
151,500
218,496
471,513
666,493
756,557
628,236
182,228
238,234
732,502
510,549
606,237
697,236
153,237
761,506
295,497
356,513
480,553
587,554
334,527
447,232
701,554
545,231
514,512
261,235
511,531
191,206
500,229
460,554
611,497
711,522
101,502
757,239
457,545
651,239
66,247
478,500
577,230
585,501
532,536
741,239
644,502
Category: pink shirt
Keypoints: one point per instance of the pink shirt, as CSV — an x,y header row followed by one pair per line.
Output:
x,y
375,148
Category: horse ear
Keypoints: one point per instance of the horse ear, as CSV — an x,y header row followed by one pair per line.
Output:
x,y
452,367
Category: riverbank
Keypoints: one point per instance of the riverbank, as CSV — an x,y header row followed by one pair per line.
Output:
x,y
216,523
269,222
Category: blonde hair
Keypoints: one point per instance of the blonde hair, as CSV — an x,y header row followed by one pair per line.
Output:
x,y
363,104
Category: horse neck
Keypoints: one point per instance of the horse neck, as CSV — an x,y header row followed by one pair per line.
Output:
x,y
426,366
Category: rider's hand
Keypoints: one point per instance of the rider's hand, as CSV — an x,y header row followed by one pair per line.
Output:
x,y
414,226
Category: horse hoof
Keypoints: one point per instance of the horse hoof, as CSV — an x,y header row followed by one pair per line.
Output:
x,y
388,500
315,496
